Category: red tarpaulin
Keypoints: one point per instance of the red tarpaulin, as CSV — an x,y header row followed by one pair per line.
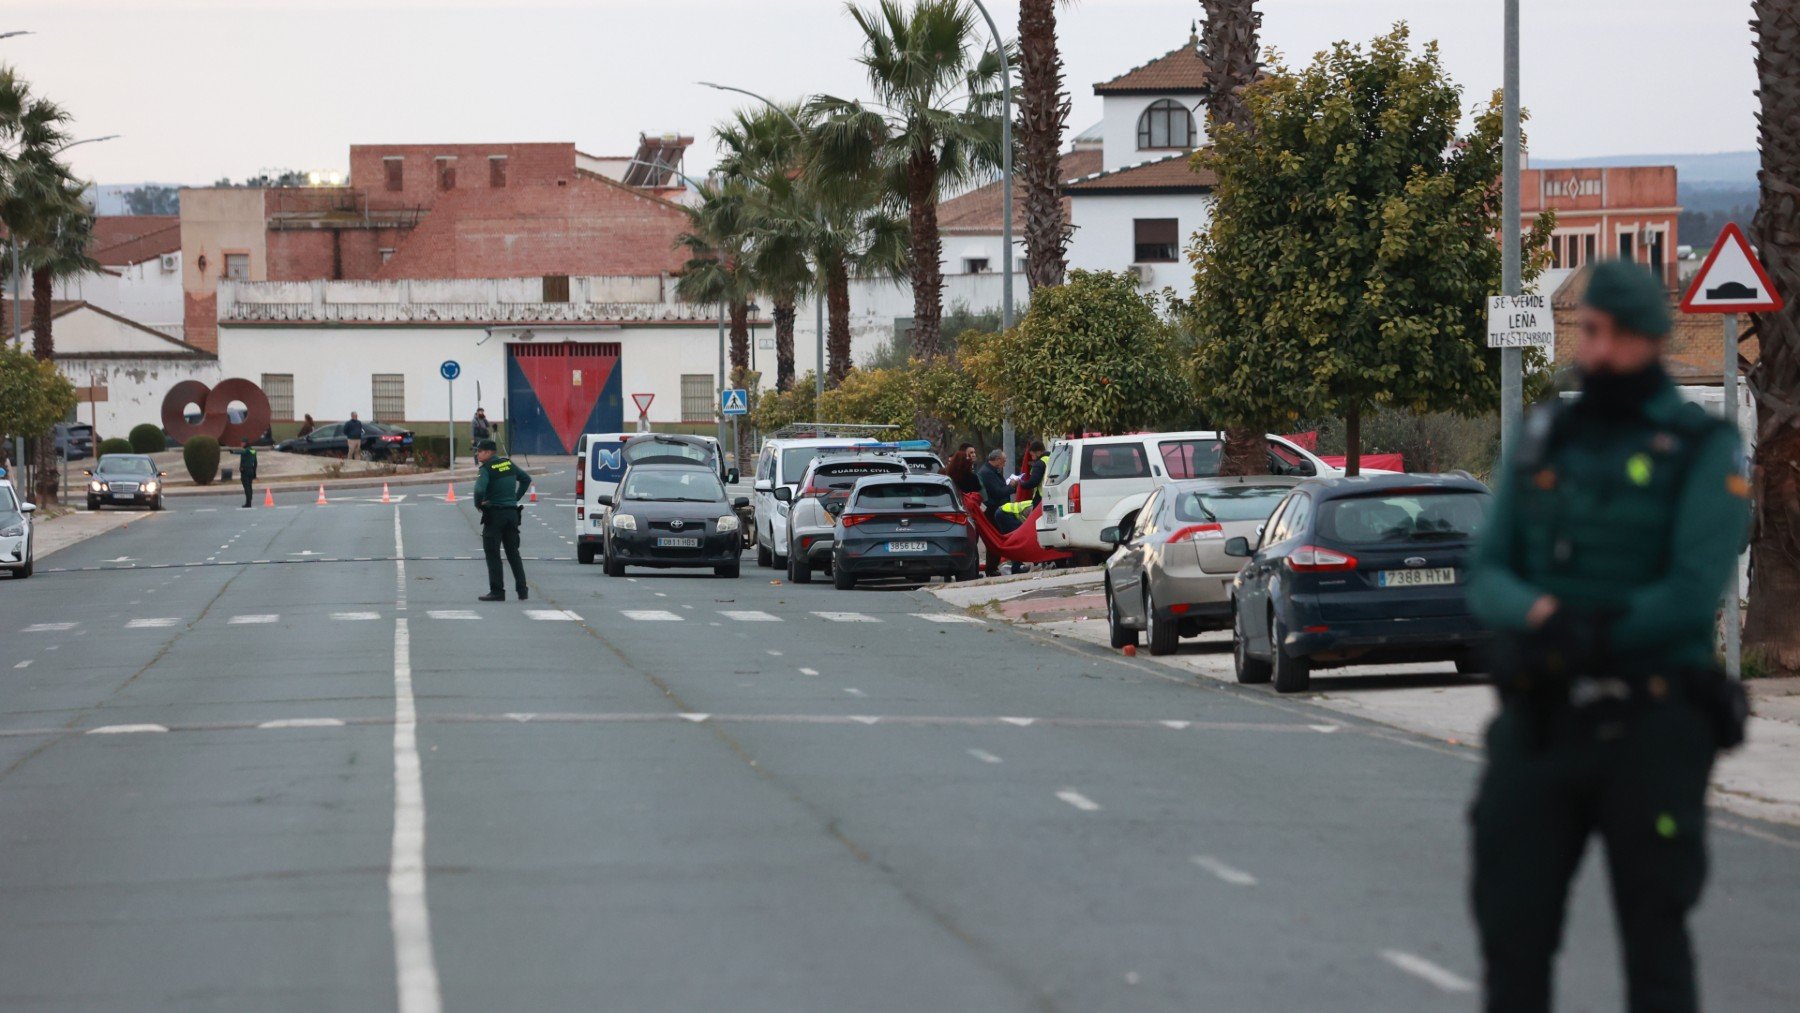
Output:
x,y
1020,544
1380,462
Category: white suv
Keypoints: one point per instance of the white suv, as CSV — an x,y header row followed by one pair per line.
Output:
x,y
16,550
781,463
1099,482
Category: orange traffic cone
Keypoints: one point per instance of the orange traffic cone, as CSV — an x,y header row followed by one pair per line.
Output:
x,y
321,494
450,493
384,493
534,494
268,497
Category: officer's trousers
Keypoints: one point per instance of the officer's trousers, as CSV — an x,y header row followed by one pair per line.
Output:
x,y
1544,791
248,482
502,531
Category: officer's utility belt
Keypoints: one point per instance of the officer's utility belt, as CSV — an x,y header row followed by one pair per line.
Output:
x,y
1604,701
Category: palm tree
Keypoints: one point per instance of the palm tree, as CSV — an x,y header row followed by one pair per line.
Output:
x,y
1043,114
933,121
1229,42
1770,633
762,151
718,270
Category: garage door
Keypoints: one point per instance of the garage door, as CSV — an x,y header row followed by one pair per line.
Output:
x,y
556,392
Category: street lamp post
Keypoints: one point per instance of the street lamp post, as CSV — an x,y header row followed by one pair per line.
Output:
x,y
1006,206
1512,387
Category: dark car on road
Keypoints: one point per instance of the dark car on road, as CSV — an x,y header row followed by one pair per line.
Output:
x,y
910,526
125,480
74,440
671,515
1354,571
380,442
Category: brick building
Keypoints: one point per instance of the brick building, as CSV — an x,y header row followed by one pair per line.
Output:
x,y
1606,212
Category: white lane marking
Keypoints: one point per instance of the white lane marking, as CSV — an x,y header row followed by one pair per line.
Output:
x,y
47,627
984,756
1177,725
415,967
659,594
945,617
1078,800
864,720
1443,978
303,723
1234,876
696,718
651,615
846,617
552,615
24,664
803,671
152,624
355,617
452,613
253,620
1325,729
772,654
750,616
125,729
520,717
853,691
1021,722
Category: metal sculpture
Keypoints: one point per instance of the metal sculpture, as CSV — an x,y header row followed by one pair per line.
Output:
x,y
215,417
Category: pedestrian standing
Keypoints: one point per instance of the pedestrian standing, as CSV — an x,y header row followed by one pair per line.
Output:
x,y
306,428
499,495
992,477
961,472
479,428
247,469
353,433
1615,526
1031,473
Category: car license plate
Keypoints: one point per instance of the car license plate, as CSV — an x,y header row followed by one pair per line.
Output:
x,y
906,546
678,543
1416,578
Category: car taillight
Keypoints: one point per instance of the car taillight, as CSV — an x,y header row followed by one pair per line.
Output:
x,y
852,520
580,485
1312,559
390,439
1075,498
1198,533
949,518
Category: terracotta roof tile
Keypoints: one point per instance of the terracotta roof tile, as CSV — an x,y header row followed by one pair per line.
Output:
x,y
1173,174
1178,72
120,240
979,209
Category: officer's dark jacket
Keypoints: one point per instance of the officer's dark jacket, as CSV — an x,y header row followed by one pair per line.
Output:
x,y
247,462
500,483
1639,518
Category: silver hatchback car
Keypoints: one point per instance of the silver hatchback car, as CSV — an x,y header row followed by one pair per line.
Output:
x,y
1169,576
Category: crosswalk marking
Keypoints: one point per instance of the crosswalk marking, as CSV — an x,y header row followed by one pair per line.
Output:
x,y
355,617
945,617
846,617
151,624
48,627
452,613
750,616
253,620
651,615
552,615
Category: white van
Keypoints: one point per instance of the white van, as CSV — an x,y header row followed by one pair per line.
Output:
x,y
599,465
1098,482
782,463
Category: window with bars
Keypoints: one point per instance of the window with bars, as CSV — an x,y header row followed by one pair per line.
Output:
x,y
280,389
388,396
697,397
237,266
1166,124
1156,240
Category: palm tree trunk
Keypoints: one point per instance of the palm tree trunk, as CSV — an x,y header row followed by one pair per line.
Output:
x,y
837,311
784,344
1353,440
1043,113
43,346
1771,636
739,314
927,255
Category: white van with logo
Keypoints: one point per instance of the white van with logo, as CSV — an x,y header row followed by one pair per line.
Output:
x,y
598,468
1098,482
783,463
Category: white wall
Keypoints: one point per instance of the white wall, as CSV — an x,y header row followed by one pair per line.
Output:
x,y
1105,238
1119,127
135,387
142,292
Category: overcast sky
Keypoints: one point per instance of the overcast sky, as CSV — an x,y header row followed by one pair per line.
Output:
x,y
208,88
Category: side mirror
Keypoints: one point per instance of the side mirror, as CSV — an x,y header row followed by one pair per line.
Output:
x,y
764,485
784,495
26,508
1110,535
1238,546
89,472
731,476
740,503
604,500
162,474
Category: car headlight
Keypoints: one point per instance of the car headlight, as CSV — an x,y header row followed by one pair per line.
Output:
x,y
150,487
729,522
13,531
624,522
96,486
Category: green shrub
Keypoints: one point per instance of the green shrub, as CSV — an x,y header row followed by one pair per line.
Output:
x,y
147,439
432,451
201,455
113,446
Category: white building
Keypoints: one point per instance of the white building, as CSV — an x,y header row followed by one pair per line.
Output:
x,y
121,368
140,271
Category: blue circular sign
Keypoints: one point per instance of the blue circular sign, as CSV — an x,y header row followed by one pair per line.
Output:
x,y
450,370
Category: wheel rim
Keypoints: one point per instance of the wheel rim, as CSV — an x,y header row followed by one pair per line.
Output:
x,y
1152,625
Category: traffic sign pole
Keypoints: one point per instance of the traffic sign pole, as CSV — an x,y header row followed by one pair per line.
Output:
x,y
1734,591
450,369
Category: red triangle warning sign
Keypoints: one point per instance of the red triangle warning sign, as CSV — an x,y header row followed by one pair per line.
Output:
x,y
1732,280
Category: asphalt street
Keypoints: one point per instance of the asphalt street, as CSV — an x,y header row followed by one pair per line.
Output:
x,y
282,759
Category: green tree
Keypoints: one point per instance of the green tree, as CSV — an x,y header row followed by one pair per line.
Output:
x,y
1351,253
1090,354
762,154
34,395
151,199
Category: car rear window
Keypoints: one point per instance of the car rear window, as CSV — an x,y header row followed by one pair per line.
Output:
x,y
1242,503
1191,458
839,478
1404,517
907,496
645,451
1114,460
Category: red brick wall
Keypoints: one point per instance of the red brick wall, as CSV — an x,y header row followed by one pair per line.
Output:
x,y
200,320
526,165
307,254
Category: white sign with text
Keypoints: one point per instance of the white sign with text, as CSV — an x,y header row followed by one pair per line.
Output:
x,y
1521,321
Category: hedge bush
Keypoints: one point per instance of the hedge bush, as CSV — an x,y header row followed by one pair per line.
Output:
x,y
432,451
116,445
147,438
201,455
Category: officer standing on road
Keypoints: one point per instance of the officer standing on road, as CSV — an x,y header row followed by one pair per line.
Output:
x,y
247,469
499,491
1614,530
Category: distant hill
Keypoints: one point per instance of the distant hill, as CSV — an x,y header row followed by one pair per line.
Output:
x,y
1723,168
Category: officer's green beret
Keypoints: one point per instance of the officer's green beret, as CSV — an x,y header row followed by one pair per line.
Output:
x,y
1631,295
486,445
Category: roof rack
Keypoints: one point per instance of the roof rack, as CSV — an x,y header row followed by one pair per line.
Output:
x,y
826,430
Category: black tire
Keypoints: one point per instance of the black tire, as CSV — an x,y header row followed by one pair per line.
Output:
x,y
1164,636
1471,663
613,567
842,578
93,504
1250,671
584,554
970,572
764,558
156,504
799,571
1291,674
30,565
1120,634
728,570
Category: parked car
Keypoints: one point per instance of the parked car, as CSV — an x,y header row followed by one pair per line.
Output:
x,y
671,515
904,526
74,440
380,442
1362,570
782,463
125,480
17,546
1170,576
922,462
814,507
1097,482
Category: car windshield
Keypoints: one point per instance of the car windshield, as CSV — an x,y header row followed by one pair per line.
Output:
x,y
127,466
1237,503
907,496
641,451
795,459
679,486
1450,515
838,479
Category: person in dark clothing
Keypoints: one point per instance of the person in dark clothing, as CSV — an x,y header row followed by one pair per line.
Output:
x,y
961,472
499,494
1031,476
247,469
306,427
480,428
992,476
353,432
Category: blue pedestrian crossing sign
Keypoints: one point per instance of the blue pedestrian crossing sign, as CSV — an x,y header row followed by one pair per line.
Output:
x,y
450,370
734,402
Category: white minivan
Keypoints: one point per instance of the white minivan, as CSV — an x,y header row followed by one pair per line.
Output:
x,y
783,463
1098,482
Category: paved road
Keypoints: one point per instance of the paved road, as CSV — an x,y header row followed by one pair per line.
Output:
x,y
282,759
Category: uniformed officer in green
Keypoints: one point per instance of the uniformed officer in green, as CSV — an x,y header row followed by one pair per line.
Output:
x,y
1614,529
247,469
499,492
